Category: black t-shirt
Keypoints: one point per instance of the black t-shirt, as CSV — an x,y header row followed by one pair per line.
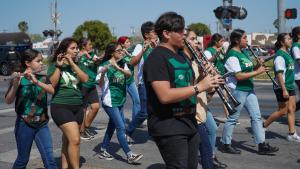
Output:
x,y
165,65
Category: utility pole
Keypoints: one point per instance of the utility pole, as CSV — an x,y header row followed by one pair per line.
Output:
x,y
281,19
113,29
55,17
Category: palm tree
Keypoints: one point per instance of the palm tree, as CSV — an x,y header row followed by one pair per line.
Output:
x,y
23,26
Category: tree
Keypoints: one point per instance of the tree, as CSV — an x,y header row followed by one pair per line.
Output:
x,y
36,38
23,26
97,31
200,29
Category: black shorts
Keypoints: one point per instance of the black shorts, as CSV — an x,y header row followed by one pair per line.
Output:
x,y
62,113
90,95
279,96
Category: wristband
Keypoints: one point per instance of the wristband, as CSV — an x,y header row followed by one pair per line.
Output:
x,y
58,67
196,89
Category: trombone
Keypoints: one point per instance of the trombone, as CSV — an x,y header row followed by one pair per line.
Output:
x,y
219,89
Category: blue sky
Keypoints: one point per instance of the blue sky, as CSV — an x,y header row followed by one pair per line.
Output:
x,y
123,14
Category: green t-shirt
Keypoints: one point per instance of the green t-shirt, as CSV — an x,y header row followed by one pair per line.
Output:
x,y
67,90
127,60
287,69
246,65
90,69
114,89
218,61
26,99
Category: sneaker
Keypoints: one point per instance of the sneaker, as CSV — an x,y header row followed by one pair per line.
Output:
x,y
92,131
89,132
293,137
105,155
227,148
217,164
266,149
85,136
238,122
134,158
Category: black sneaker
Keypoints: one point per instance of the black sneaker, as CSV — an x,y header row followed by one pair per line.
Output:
x,y
217,164
226,148
89,132
85,136
265,149
105,155
134,158
92,131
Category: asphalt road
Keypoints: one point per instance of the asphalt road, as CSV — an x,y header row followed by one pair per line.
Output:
x,y
287,157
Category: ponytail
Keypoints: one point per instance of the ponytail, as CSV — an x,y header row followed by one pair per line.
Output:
x,y
280,40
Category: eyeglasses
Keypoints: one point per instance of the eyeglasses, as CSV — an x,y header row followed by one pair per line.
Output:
x,y
119,51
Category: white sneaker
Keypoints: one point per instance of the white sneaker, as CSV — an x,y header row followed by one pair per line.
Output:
x,y
293,137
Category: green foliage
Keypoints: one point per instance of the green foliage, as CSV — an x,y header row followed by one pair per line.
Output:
x,y
199,28
264,76
97,31
23,26
36,38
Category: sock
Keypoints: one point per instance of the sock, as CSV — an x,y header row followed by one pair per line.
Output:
x,y
130,153
292,133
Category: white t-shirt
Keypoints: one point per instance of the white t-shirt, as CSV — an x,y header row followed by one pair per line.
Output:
x,y
232,65
138,49
106,93
296,54
279,65
207,54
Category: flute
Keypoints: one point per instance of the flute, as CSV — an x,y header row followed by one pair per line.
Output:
x,y
15,75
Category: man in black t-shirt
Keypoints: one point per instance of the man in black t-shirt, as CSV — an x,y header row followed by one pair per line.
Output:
x,y
169,78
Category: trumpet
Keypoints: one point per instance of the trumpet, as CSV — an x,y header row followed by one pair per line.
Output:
x,y
262,64
201,62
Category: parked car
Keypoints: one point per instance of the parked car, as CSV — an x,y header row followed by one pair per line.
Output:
x,y
9,60
259,51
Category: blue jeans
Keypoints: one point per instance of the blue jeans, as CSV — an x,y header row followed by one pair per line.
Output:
x,y
248,100
142,115
205,148
211,127
24,138
116,122
133,92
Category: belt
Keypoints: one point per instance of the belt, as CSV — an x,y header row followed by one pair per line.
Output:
x,y
183,111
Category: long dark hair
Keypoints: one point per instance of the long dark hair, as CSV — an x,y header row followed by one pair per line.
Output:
x,y
296,33
280,39
214,40
109,50
28,55
235,38
63,47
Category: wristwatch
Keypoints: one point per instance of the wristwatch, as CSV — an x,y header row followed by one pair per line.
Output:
x,y
196,89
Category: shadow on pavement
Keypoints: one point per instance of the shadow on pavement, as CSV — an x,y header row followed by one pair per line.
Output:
x,y
156,166
81,161
112,149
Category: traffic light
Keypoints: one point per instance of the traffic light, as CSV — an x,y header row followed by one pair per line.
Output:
x,y
231,12
290,13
